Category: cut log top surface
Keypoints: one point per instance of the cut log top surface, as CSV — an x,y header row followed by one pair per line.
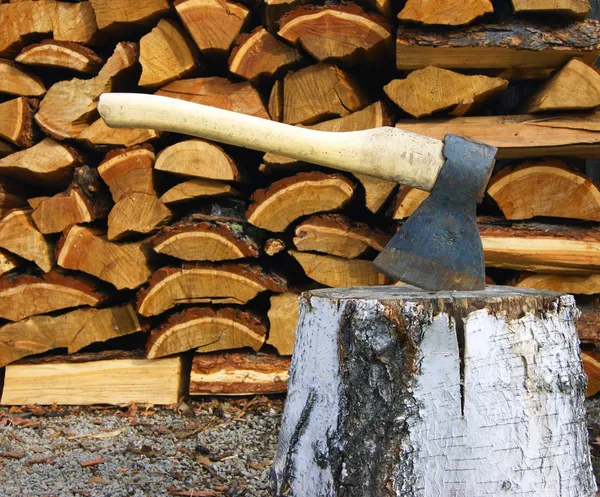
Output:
x,y
16,120
447,13
127,13
128,171
14,80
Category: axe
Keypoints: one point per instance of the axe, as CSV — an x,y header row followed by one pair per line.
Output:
x,y
438,248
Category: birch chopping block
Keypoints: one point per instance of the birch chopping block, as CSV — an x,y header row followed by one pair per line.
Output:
x,y
395,391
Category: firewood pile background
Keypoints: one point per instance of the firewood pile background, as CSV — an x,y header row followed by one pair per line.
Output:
x,y
134,262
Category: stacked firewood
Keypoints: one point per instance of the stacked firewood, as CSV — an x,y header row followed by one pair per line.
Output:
x,y
132,239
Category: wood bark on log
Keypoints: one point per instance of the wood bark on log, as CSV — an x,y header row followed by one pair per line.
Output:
x,y
84,201
498,46
450,13
407,201
213,24
19,236
275,104
591,366
70,106
427,91
207,330
259,56
541,247
338,235
338,272
545,188
283,318
588,325
197,240
8,262
198,188
344,35
73,330
96,379
200,159
320,92
584,284
436,370
48,163
165,55
521,136
99,136
238,373
198,283
272,10
274,246
288,199
575,9
16,81
218,92
16,121
130,13
61,55
576,86
22,296
22,22
124,265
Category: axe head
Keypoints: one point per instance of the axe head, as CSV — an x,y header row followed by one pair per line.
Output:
x,y
439,246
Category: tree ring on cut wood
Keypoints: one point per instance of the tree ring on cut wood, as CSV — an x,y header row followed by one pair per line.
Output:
x,y
401,392
206,330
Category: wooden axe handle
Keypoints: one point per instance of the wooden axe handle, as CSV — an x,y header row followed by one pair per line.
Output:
x,y
389,153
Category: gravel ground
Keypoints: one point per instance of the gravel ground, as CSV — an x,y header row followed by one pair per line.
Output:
x,y
219,447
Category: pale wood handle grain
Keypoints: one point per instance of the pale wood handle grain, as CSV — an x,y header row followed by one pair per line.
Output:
x,y
388,153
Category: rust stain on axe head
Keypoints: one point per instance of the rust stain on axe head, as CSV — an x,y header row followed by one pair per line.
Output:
x,y
439,247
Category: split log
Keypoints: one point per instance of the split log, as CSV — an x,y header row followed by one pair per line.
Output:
x,y
197,283
16,121
165,55
288,199
200,159
70,106
576,86
498,46
450,13
335,234
338,272
238,373
545,188
61,55
407,201
588,325
5,149
11,196
213,24
47,163
19,236
84,201
23,296
73,330
521,136
207,330
283,319
16,81
112,377
397,385
128,13
320,92
344,35
275,105
218,92
8,262
272,10
274,246
128,171
259,56
124,265
197,240
575,9
22,22
99,136
591,366
430,90
541,248
278,164
561,283
137,214
196,189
